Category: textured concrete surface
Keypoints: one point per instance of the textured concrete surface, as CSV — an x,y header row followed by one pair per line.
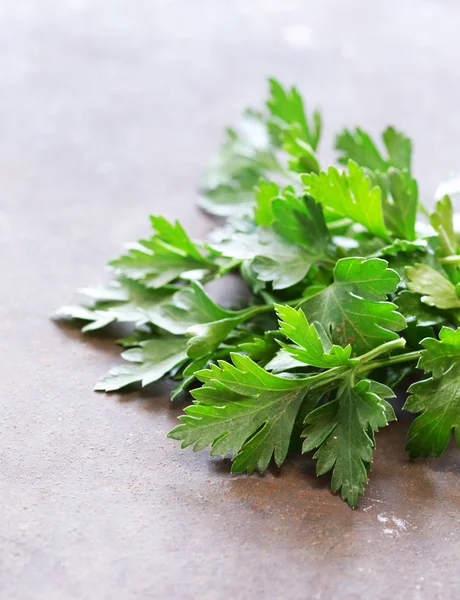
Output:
x,y
109,110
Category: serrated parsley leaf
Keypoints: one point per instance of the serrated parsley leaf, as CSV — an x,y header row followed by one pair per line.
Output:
x,y
205,337
410,305
287,109
312,345
244,376
149,362
436,289
189,306
440,355
304,158
272,258
192,312
358,145
265,192
400,202
175,236
242,410
246,156
342,430
156,262
442,220
284,253
353,308
437,398
300,220
349,194
96,319
283,361
124,301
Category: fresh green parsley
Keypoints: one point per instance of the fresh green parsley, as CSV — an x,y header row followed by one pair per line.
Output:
x,y
350,284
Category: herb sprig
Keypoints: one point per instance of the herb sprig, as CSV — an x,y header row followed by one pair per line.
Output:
x,y
347,288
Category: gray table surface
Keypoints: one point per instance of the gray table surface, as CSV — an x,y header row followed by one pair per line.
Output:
x,y
109,110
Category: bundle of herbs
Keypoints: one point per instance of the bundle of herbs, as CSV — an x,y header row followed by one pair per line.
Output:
x,y
348,292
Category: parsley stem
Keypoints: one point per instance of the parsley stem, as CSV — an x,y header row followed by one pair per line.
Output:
x,y
393,360
387,347
450,260
229,267
322,380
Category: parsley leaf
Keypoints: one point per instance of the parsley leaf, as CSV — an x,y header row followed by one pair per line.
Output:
x,y
265,192
287,109
246,156
284,253
242,410
353,309
437,398
342,430
167,256
349,194
436,288
306,245
312,345
358,146
400,202
150,360
125,301
442,221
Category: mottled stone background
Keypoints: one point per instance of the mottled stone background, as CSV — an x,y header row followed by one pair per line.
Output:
x,y
109,110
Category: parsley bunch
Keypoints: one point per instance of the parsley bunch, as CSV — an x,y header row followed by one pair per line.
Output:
x,y
348,292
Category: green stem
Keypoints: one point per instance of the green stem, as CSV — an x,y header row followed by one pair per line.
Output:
x,y
234,264
394,360
450,260
325,379
387,347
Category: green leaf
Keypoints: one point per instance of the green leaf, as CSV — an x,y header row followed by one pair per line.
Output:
x,y
435,288
283,361
167,256
175,236
399,148
414,311
312,345
440,355
265,192
353,310
396,247
272,258
151,360
246,377
437,398
124,301
97,319
442,220
242,410
305,159
300,220
284,271
246,156
156,264
357,145
282,255
191,311
400,203
206,337
342,430
189,306
349,194
287,108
